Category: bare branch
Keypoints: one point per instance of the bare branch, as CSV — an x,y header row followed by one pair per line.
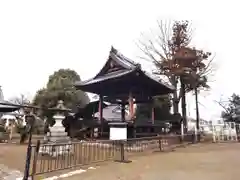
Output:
x,y
161,49
210,67
221,104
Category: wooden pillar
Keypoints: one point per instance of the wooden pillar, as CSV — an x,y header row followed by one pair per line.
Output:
x,y
131,112
131,108
153,115
153,128
123,111
100,110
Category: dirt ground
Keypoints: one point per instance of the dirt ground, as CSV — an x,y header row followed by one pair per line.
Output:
x,y
13,156
198,162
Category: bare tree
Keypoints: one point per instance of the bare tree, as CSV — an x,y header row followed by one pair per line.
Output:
x,y
20,100
165,50
160,50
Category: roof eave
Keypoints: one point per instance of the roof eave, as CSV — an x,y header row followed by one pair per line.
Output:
x,y
102,79
169,88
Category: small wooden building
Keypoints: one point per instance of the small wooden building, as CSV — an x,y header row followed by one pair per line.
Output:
x,y
122,81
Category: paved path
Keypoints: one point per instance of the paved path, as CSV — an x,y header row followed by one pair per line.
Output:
x,y
208,162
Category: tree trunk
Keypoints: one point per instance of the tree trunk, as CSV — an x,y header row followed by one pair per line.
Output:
x,y
175,102
237,131
197,115
175,97
183,104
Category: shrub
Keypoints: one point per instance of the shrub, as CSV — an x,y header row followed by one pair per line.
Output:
x,y
2,128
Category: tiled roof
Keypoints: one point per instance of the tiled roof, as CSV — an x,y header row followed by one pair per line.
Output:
x,y
6,106
111,113
104,78
158,80
121,58
126,65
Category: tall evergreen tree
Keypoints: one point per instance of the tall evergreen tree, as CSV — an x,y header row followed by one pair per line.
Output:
x,y
60,86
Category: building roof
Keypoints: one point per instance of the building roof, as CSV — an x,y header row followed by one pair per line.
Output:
x,y
6,106
119,75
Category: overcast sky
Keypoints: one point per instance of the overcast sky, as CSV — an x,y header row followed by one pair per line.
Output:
x,y
39,37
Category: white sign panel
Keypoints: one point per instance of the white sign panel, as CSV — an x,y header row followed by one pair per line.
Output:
x,y
117,133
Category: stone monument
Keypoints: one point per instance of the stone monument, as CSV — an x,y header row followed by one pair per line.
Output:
x,y
57,142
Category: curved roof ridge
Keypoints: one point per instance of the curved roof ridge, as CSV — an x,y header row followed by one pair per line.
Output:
x,y
124,58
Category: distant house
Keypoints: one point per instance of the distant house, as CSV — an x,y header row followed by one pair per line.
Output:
x,y
209,127
191,123
6,107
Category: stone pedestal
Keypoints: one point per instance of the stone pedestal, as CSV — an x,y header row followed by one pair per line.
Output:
x,y
57,133
57,142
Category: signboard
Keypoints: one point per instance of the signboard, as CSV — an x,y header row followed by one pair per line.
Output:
x,y
118,133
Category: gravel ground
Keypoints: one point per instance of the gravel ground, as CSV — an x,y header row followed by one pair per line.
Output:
x,y
208,162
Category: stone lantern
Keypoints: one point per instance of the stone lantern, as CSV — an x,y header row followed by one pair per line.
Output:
x,y
57,131
57,137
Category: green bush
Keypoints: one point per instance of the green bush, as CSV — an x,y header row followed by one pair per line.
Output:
x,y
38,130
